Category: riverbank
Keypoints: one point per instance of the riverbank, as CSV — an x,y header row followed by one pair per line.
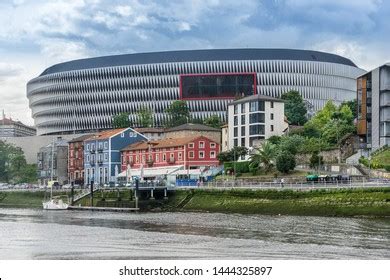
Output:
x,y
340,202
346,202
25,199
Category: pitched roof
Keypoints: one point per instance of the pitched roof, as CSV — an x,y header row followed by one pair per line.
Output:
x,y
256,97
163,143
81,138
106,134
193,127
149,130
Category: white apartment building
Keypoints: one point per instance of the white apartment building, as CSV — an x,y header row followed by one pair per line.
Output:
x,y
253,119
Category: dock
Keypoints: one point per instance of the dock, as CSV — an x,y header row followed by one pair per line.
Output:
x,y
107,209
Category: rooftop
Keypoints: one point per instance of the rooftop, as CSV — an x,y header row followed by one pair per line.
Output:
x,y
256,97
106,134
81,138
197,55
193,127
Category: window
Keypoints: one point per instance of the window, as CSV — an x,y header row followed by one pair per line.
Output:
x,y
122,134
87,157
137,159
242,142
235,109
87,147
272,104
180,156
201,144
256,106
242,108
124,159
71,153
201,154
212,154
191,145
105,156
106,145
171,156
235,142
242,130
164,157
71,162
272,116
272,127
235,134
235,120
217,85
256,118
157,158
105,175
242,119
191,154
212,145
256,129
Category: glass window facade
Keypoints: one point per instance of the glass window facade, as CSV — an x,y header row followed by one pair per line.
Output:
x,y
257,129
255,106
256,118
217,86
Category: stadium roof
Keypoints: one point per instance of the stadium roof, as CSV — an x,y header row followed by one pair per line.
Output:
x,y
197,55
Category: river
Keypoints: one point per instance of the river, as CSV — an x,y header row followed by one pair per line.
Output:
x,y
37,234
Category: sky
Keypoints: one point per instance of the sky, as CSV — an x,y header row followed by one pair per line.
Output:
x,y
35,34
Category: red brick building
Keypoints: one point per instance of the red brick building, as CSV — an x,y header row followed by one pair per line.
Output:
x,y
192,152
76,159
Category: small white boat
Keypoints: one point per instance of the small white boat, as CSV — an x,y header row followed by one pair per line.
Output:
x,y
55,204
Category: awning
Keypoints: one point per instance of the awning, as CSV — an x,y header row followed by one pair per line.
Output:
x,y
153,171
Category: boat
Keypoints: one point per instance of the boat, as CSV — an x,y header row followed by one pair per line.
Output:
x,y
55,204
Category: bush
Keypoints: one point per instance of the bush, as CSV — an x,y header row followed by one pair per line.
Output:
x,y
387,168
239,166
285,162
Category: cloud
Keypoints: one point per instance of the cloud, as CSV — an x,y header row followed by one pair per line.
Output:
x,y
8,70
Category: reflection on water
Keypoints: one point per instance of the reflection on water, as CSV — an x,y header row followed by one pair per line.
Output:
x,y
36,234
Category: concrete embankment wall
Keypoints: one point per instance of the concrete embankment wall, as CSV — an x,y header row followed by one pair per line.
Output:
x,y
346,202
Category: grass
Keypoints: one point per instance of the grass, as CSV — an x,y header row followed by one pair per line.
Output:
x,y
373,202
383,157
25,199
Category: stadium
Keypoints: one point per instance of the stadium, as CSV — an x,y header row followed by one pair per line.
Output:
x,y
83,95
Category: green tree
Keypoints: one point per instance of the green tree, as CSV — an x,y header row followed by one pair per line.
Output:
x,y
274,139
178,113
233,154
294,108
353,105
263,157
323,116
292,144
121,121
145,117
285,162
213,121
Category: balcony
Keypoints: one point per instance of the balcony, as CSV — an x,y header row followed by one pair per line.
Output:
x,y
100,161
100,149
92,150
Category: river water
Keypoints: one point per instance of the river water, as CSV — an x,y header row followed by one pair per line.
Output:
x,y
37,234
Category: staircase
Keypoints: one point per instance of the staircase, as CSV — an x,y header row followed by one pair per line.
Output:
x,y
354,159
83,194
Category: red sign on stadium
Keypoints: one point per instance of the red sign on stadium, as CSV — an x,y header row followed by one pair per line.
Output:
x,y
217,86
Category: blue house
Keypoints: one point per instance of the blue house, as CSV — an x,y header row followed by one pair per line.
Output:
x,y
102,157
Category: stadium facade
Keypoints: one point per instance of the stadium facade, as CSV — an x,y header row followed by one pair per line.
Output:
x,y
83,95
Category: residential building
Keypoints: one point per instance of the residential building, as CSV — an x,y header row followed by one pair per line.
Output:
x,y
53,162
76,159
194,129
225,138
152,133
11,128
102,158
191,152
373,97
253,119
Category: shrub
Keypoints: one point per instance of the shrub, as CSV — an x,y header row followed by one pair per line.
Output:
x,y
239,166
285,162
